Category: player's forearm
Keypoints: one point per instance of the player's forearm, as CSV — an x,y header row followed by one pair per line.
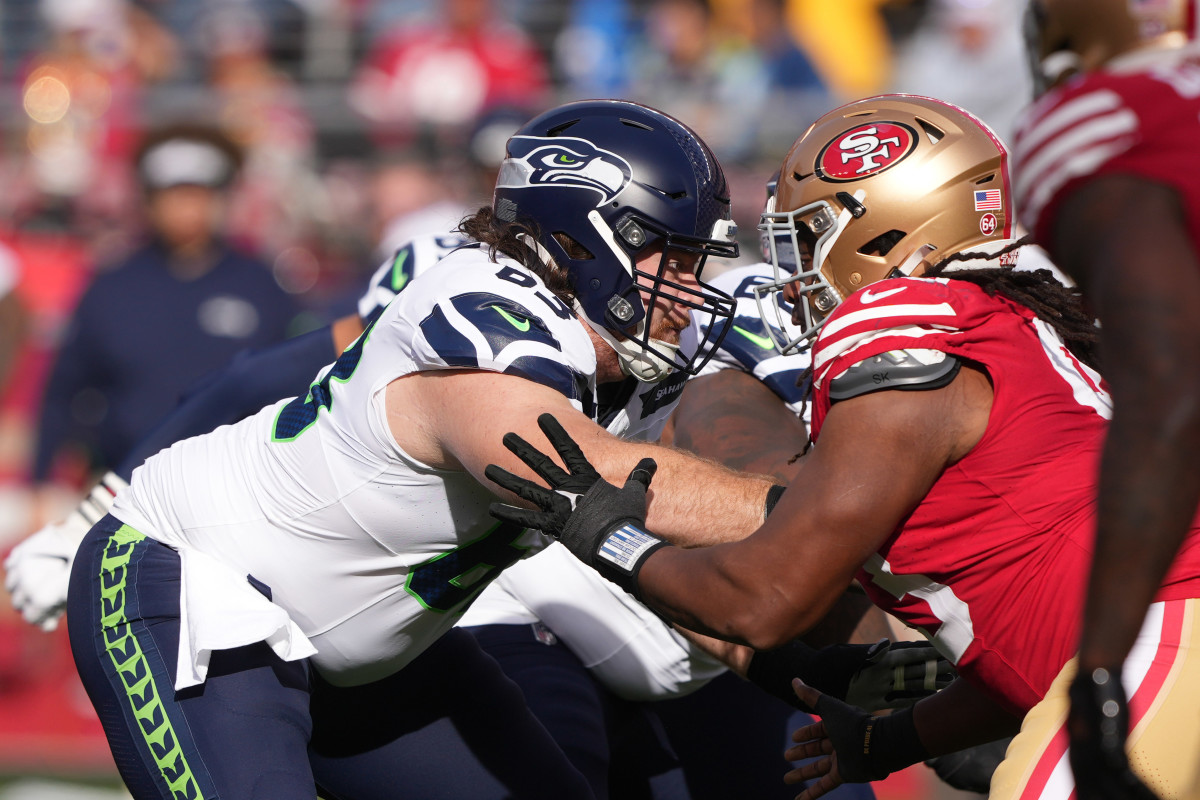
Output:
x,y
738,595
693,501
1144,282
1148,493
961,716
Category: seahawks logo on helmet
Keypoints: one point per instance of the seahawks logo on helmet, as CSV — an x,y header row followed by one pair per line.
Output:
x,y
561,161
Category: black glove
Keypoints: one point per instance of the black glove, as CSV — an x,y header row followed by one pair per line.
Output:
x,y
1098,724
870,676
869,748
601,524
971,770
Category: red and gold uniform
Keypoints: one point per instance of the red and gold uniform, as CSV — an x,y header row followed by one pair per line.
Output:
x,y
993,562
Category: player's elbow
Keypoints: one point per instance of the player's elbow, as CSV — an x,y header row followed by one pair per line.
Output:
x,y
768,621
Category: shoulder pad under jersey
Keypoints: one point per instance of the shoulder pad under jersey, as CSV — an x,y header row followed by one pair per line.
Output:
x,y
474,313
914,369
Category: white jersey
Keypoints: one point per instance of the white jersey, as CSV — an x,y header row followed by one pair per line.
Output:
x,y
626,646
749,346
370,552
410,260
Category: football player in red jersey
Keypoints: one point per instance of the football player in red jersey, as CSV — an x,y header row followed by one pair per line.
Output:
x,y
1108,176
960,422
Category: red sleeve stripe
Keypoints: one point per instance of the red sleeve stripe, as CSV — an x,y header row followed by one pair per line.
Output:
x,y
1077,152
907,336
891,311
1092,104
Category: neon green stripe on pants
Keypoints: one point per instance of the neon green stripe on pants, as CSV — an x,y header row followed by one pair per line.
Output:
x,y
131,664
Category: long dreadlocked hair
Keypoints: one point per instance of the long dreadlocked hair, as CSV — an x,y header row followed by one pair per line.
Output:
x,y
1059,306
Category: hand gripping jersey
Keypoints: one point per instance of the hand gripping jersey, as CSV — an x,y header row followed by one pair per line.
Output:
x,y
749,346
1139,116
992,564
372,553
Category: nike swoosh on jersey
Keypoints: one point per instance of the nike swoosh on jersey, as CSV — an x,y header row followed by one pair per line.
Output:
x,y
762,341
868,297
399,276
520,324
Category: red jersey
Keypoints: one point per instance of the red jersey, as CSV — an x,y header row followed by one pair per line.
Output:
x,y
1140,117
993,563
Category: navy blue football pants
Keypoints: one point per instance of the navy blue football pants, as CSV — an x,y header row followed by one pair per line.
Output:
x,y
725,740
267,729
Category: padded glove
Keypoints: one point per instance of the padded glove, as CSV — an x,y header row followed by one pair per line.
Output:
x,y
870,676
866,747
602,525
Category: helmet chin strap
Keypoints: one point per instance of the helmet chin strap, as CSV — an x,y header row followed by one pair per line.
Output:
x,y
635,361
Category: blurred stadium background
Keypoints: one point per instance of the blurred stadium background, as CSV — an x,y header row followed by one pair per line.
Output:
x,y
357,117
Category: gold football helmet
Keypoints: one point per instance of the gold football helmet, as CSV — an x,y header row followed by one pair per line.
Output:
x,y
1069,36
879,188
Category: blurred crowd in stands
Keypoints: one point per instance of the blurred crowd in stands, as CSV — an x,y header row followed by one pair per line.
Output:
x,y
358,124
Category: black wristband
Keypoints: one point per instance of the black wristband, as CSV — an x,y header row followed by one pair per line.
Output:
x,y
773,495
621,553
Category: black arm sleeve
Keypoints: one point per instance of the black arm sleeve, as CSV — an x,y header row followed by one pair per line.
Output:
x,y
250,381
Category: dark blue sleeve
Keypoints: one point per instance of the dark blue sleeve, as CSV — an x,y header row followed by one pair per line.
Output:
x,y
75,369
252,380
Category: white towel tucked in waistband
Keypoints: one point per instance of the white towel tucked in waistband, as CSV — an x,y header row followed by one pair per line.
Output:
x,y
220,610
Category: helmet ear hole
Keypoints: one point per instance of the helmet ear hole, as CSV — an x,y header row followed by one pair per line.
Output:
x,y
882,244
574,249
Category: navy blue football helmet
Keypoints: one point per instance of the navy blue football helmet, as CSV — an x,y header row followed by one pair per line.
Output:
x,y
605,182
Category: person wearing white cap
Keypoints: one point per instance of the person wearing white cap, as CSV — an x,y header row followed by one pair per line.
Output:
x,y
180,305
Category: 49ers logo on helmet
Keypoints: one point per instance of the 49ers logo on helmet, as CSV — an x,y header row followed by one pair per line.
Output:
x,y
866,150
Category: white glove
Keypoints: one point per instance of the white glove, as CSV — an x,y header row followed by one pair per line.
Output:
x,y
38,569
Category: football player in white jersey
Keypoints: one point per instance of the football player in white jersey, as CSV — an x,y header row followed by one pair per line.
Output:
x,y
1106,175
312,550
960,418
627,649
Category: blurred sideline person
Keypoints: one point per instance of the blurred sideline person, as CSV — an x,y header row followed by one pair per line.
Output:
x,y
182,304
1107,177
957,422
629,650
371,482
